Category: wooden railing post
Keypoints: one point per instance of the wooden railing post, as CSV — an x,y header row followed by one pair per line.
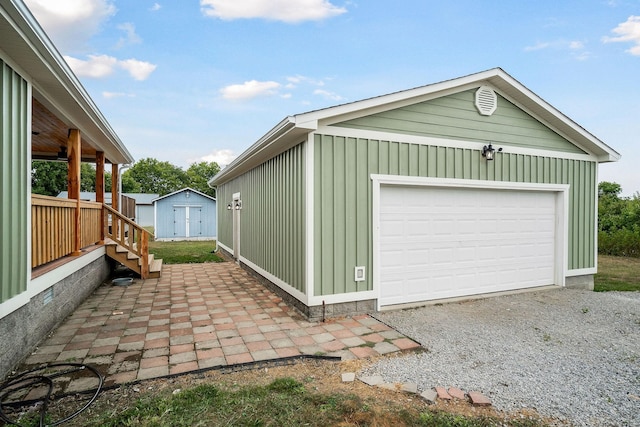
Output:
x,y
115,198
144,248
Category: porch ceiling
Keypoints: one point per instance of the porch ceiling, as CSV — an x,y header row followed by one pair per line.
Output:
x,y
49,134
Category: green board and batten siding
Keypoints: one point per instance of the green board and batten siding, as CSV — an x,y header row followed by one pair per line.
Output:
x,y
343,167
456,117
272,220
14,128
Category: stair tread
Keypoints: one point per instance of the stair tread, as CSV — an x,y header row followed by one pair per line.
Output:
x,y
156,265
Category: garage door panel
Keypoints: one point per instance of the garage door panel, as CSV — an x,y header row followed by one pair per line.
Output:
x,y
457,242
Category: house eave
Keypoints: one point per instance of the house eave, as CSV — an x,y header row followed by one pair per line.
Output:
x,y
284,135
55,85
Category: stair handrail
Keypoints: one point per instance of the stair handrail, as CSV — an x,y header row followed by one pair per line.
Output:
x,y
129,235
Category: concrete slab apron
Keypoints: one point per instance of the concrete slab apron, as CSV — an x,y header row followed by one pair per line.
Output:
x,y
199,316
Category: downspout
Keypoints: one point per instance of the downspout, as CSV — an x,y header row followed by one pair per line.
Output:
x,y
215,249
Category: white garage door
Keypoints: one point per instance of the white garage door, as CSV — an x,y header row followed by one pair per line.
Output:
x,y
438,242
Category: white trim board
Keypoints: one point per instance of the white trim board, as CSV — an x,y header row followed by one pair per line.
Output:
x,y
446,142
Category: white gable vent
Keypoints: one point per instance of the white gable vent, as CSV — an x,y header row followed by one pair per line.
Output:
x,y
486,100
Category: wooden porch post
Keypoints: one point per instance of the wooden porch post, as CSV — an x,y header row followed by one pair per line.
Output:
x,y
100,189
73,183
115,197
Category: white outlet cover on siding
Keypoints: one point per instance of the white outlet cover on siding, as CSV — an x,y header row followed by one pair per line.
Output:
x,y
486,100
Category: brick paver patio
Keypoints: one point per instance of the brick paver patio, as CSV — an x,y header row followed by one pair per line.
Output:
x,y
200,316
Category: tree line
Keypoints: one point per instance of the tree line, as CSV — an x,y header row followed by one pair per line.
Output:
x,y
145,176
618,221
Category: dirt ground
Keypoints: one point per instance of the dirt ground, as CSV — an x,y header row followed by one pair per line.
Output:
x,y
318,376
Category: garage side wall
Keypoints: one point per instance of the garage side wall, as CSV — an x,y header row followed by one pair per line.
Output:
x,y
272,218
343,197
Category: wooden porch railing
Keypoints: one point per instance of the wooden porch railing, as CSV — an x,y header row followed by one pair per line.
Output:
x,y
128,234
52,225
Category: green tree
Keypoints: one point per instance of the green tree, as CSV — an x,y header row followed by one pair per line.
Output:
x,y
200,173
154,176
48,178
618,221
610,189
611,207
129,185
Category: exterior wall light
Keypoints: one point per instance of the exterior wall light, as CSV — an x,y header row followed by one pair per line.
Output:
x,y
488,150
229,207
238,205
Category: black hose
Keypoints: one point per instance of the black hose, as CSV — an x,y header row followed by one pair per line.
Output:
x,y
26,381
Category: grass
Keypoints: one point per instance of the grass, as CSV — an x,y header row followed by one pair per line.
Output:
x,y
185,252
617,274
283,402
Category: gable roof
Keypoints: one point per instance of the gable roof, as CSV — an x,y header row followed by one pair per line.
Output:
x,y
56,89
183,190
293,129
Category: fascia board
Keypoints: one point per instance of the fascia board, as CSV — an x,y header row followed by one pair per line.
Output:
x,y
395,100
533,104
255,153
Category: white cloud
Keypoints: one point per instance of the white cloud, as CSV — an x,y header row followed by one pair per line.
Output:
x,y
537,46
628,31
222,157
155,7
101,66
130,35
139,70
70,23
290,11
110,95
250,89
294,81
328,95
576,45
97,66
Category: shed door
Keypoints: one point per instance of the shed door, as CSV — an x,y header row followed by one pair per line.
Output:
x,y
194,221
438,242
179,221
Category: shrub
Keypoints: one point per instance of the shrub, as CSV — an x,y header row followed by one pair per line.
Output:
x,y
620,242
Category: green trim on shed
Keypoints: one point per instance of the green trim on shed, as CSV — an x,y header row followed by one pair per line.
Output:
x,y
14,191
272,219
343,197
455,117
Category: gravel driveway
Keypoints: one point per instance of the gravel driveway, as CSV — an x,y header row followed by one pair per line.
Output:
x,y
570,354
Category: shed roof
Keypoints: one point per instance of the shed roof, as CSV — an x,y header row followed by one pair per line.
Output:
x,y
140,198
292,130
60,100
182,190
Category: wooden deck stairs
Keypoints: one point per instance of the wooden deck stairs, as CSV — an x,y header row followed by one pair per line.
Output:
x,y
132,261
128,243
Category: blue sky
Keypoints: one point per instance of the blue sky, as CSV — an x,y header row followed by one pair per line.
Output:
x,y
186,81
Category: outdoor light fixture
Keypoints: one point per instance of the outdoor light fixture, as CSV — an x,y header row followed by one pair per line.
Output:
x,y
187,194
488,150
238,205
62,154
229,207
